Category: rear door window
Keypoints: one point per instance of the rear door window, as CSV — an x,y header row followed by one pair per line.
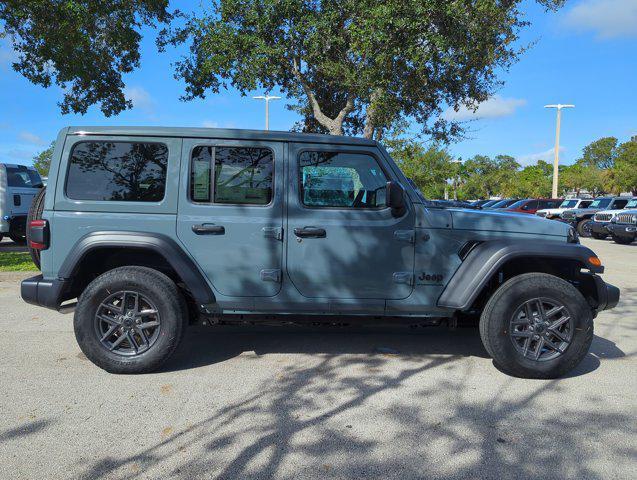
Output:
x,y
117,171
240,176
23,177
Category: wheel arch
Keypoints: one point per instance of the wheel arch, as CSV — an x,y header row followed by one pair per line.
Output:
x,y
491,263
98,252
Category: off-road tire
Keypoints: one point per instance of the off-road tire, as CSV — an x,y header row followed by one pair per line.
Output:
x,y
35,213
154,285
495,318
622,240
599,236
581,225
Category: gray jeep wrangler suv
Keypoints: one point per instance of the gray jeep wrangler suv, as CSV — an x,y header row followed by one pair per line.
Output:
x,y
151,229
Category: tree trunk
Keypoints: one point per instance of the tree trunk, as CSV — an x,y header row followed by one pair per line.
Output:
x,y
370,114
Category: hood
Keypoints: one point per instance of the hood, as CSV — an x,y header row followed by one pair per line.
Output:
x,y
499,221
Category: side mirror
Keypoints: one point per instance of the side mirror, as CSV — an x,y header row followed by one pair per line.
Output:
x,y
396,199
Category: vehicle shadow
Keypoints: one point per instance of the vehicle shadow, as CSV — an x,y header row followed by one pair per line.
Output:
x,y
209,345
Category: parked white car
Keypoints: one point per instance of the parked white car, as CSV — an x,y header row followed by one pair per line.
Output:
x,y
18,185
565,205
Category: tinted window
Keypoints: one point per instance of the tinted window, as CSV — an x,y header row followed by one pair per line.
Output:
x,y
601,203
242,175
122,171
548,204
585,204
341,180
518,204
23,177
620,203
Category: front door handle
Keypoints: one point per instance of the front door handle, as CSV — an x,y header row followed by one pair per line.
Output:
x,y
209,229
310,232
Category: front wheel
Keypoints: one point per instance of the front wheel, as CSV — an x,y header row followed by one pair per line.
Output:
x,y
584,228
537,326
130,320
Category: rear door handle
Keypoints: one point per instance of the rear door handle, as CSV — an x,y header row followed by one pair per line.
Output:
x,y
209,229
310,232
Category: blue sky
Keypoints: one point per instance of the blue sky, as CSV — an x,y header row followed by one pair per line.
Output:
x,y
585,54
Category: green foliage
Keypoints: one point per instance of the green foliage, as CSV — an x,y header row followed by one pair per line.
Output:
x,y
600,153
42,161
83,46
365,62
16,262
625,169
428,167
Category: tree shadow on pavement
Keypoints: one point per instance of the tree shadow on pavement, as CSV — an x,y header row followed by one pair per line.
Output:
x,y
348,416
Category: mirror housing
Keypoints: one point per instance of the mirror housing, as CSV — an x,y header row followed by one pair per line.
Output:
x,y
396,199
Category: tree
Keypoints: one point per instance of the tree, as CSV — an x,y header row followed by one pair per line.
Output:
x,y
625,170
582,176
374,61
42,161
535,181
600,153
84,46
428,167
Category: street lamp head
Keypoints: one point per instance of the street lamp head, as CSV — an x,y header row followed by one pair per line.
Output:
x,y
559,106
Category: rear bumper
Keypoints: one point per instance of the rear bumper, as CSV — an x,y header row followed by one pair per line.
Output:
x,y
43,292
624,231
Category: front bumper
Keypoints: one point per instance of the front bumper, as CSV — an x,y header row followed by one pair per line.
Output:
x,y
623,231
599,227
43,292
607,294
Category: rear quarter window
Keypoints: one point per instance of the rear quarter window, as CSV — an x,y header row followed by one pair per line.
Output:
x,y
117,171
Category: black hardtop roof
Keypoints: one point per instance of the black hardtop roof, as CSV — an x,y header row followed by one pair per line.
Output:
x,y
225,133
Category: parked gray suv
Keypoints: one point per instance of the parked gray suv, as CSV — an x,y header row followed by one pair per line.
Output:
x,y
151,229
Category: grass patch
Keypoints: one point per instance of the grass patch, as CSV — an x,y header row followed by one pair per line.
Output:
x,y
16,262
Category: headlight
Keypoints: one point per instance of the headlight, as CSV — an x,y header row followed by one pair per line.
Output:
x,y
572,236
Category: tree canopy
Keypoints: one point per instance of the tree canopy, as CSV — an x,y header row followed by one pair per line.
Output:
x,y
356,64
42,161
84,46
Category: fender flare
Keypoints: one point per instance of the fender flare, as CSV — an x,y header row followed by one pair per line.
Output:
x,y
163,245
486,258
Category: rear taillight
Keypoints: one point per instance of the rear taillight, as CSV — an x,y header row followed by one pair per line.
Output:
x,y
39,234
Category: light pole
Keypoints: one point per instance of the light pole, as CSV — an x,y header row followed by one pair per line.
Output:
x,y
556,160
267,99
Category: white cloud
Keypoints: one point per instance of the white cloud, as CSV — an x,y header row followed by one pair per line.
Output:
x,y
494,107
607,18
31,138
532,158
140,98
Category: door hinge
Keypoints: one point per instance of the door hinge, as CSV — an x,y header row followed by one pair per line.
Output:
x,y
404,277
271,275
405,235
273,232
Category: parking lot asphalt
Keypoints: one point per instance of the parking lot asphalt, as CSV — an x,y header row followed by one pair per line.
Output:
x,y
337,403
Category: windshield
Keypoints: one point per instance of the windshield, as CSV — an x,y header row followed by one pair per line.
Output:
x,y
601,203
518,204
632,203
23,177
502,203
568,204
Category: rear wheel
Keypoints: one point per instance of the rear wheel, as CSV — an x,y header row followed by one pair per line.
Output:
x,y
537,326
130,320
35,213
584,228
623,240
